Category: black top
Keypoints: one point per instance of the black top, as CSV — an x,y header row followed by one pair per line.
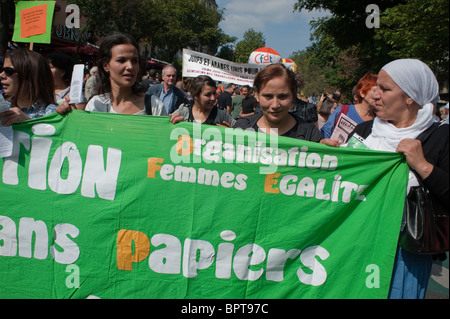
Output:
x,y
211,120
224,100
305,110
301,130
249,104
435,150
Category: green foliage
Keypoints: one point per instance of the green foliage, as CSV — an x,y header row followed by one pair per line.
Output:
x,y
346,48
226,52
170,25
252,40
418,29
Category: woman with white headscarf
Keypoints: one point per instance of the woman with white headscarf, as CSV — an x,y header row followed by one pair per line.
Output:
x,y
406,93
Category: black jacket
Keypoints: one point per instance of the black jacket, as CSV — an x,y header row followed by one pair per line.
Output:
x,y
302,130
435,150
178,97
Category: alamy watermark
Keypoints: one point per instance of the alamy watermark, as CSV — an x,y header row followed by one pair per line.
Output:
x,y
373,19
73,19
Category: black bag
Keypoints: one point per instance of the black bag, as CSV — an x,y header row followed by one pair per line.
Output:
x,y
427,223
426,229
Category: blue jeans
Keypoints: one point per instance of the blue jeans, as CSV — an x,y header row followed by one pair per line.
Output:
x,y
410,275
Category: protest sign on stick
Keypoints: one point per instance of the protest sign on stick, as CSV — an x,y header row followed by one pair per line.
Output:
x,y
33,22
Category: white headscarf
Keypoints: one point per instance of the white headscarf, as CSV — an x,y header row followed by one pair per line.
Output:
x,y
417,80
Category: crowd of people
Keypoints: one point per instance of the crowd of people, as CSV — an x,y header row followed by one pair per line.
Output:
x,y
391,109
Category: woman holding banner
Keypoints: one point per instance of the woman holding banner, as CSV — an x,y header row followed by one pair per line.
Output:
x,y
118,68
404,98
28,86
204,109
275,89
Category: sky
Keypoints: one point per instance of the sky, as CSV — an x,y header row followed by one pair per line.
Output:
x,y
285,31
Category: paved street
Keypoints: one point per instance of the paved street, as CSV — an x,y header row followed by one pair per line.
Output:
x,y
438,285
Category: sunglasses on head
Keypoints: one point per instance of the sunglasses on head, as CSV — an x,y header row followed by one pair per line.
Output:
x,y
8,70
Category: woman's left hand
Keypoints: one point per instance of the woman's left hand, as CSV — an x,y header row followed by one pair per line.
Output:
x,y
330,142
224,124
176,118
412,149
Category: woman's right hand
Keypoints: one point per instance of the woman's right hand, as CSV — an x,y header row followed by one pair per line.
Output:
x,y
65,107
176,118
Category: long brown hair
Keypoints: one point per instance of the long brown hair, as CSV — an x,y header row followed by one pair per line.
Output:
x,y
105,55
34,75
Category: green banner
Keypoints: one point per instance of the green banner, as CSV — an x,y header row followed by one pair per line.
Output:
x,y
122,206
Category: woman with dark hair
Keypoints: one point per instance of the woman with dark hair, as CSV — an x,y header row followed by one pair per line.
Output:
x,y
118,69
28,86
204,109
361,111
275,89
61,66
326,108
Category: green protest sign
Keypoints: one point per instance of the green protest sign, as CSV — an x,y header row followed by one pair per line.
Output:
x,y
122,206
33,22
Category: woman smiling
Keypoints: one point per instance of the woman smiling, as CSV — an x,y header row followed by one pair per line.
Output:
x,y
204,109
275,90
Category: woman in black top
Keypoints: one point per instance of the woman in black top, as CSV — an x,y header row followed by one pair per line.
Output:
x,y
204,109
405,96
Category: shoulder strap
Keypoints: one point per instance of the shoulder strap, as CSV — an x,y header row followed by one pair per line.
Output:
x,y
309,132
344,109
427,133
422,138
148,104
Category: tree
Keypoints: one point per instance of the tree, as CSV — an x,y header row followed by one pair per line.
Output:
x,y
226,52
169,25
6,10
252,40
188,23
349,48
418,29
107,16
311,69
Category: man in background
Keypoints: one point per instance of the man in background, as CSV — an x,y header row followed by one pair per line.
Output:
x,y
171,96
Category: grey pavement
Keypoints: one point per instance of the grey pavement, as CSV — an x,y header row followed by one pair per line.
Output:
x,y
439,281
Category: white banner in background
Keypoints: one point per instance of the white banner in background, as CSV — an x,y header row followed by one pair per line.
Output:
x,y
196,63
